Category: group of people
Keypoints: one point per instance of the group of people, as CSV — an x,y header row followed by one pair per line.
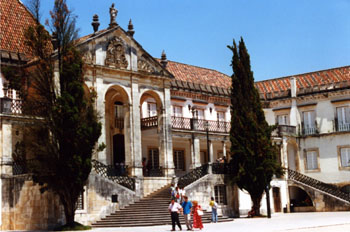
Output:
x,y
181,205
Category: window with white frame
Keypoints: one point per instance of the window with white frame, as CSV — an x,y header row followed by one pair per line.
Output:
x,y
220,194
220,116
311,160
153,158
345,156
200,113
177,111
309,125
118,110
179,159
151,109
343,116
283,119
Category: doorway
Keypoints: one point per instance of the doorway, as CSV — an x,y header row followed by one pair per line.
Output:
x,y
276,199
118,149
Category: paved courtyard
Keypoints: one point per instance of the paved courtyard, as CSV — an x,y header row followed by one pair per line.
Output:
x,y
301,222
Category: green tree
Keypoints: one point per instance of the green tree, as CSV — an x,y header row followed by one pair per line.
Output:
x,y
65,130
254,159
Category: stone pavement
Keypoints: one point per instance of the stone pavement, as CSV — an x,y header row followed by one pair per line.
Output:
x,y
293,222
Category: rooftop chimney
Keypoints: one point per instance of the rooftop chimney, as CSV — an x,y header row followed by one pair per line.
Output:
x,y
95,23
131,31
163,59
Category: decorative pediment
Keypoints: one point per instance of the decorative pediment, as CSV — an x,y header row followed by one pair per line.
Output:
x,y
144,65
115,55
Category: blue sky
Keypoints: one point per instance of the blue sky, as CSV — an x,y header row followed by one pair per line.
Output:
x,y
283,37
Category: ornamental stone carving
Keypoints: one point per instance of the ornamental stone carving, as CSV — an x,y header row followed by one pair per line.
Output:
x,y
115,56
144,65
87,57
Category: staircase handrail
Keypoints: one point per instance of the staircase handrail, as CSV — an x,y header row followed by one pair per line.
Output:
x,y
104,170
324,187
193,175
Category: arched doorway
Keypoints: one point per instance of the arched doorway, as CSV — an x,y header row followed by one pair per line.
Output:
x,y
117,128
151,132
300,201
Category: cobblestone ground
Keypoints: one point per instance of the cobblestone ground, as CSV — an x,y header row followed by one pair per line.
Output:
x,y
293,222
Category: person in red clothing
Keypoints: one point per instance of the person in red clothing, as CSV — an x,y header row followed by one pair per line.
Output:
x,y
197,219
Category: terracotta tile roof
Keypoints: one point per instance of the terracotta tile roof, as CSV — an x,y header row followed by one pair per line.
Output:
x,y
323,80
14,19
198,75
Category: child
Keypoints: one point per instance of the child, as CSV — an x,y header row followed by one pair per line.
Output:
x,y
214,210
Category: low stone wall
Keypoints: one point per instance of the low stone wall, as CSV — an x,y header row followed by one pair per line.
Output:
x,y
25,208
98,199
203,189
152,184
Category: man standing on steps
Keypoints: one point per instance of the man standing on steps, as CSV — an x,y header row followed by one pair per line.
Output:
x,y
187,206
174,209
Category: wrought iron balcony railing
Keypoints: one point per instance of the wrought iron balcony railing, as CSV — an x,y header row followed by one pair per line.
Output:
x,y
193,175
119,123
344,127
10,106
153,172
200,125
105,171
309,131
149,122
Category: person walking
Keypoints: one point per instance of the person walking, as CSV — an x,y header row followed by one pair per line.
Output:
x,y
174,210
214,210
197,215
187,206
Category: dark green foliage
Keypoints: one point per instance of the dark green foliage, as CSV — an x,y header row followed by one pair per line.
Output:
x,y
62,140
254,159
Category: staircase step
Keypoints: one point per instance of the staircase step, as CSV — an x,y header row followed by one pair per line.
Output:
x,y
149,211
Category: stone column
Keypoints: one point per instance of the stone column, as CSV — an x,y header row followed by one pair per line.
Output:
x,y
284,161
6,151
136,128
101,109
128,135
195,153
211,152
167,139
224,149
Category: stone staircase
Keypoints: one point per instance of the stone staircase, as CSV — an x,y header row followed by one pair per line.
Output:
x,y
328,189
149,211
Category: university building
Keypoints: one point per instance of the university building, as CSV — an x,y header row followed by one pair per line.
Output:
x,y
167,122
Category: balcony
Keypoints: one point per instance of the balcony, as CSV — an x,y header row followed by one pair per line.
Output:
x,y
10,106
119,123
194,124
343,127
309,131
150,122
284,130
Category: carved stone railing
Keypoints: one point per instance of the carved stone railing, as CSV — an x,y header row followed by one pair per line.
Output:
x,y
328,189
193,175
149,122
105,171
200,125
286,130
20,167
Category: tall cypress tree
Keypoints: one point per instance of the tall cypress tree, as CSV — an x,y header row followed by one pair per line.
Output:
x,y
254,157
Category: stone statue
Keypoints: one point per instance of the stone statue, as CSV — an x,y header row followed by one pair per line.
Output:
x,y
113,14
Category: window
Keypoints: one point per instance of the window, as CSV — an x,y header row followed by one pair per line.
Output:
x,y
282,119
177,111
311,160
220,116
179,160
151,109
309,126
200,114
344,156
118,110
153,158
220,194
343,116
